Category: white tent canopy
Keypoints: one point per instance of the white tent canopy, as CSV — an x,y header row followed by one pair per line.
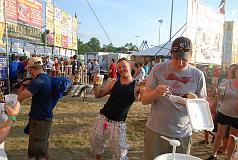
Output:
x,y
152,51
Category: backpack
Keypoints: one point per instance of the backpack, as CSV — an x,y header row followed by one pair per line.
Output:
x,y
59,86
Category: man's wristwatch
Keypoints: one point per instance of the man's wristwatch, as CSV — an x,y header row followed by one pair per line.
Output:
x,y
13,118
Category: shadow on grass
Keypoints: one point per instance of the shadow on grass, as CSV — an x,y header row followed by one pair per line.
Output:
x,y
72,154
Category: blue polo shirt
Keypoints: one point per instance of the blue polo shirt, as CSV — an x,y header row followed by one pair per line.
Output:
x,y
41,105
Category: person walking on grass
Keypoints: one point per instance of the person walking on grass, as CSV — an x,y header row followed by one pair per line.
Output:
x,y
40,89
111,119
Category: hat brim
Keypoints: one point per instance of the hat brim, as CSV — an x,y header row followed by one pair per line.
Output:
x,y
181,55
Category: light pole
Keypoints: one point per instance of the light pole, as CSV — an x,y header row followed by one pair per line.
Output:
x,y
136,40
160,22
171,19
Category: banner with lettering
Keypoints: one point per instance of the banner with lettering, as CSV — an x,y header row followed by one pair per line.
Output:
x,y
64,29
58,26
50,12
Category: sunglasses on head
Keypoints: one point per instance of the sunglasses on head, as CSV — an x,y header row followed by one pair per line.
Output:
x,y
180,49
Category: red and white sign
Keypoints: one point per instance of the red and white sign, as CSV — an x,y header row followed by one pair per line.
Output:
x,y
11,9
2,19
25,11
29,12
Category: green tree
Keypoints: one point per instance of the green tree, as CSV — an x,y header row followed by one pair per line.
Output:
x,y
94,43
131,47
108,48
121,49
82,48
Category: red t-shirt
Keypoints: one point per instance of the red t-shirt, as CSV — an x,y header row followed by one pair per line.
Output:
x,y
113,71
216,72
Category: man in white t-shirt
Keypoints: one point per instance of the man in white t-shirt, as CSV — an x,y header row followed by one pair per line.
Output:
x,y
167,118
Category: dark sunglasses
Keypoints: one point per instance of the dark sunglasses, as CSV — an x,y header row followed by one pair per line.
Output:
x,y
180,49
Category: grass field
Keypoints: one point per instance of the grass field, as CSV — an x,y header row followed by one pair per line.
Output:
x,y
73,119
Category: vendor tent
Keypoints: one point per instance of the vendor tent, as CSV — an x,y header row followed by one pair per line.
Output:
x,y
161,50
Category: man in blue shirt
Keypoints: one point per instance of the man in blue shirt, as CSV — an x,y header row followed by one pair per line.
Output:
x,y
13,66
40,89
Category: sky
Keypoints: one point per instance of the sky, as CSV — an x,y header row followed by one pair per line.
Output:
x,y
133,21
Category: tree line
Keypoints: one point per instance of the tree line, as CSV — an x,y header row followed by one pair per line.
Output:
x,y
93,45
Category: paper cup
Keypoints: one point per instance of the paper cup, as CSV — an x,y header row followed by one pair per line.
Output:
x,y
11,99
101,77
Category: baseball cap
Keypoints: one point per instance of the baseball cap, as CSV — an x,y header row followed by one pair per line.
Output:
x,y
181,48
34,62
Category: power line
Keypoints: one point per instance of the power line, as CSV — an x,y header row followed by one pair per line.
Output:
x,y
99,22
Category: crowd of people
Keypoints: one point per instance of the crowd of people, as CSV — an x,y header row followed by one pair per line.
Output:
x,y
54,66
177,77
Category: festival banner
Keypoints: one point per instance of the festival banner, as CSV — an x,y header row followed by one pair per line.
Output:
x,y
3,68
49,1
58,26
2,31
29,12
207,39
50,12
29,47
56,51
62,52
75,30
40,50
64,29
68,53
3,75
48,50
70,32
11,9
21,31
2,17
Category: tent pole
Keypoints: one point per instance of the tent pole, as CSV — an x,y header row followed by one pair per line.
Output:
x,y
7,53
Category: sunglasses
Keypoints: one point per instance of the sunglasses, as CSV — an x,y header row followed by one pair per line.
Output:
x,y
181,49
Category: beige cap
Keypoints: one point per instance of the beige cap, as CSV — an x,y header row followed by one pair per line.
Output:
x,y
34,62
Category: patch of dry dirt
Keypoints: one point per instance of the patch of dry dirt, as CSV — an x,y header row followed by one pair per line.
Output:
x,y
73,119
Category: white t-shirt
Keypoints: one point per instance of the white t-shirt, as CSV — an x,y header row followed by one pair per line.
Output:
x,y
168,118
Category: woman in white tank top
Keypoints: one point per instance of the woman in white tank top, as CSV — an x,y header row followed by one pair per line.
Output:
x,y
227,115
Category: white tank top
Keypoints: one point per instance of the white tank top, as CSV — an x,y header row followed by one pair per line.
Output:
x,y
229,103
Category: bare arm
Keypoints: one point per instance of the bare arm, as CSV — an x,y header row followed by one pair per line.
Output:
x,y
152,94
5,129
23,94
101,91
6,126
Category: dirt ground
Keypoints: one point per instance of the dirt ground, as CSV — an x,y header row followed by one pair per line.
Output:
x,y
73,119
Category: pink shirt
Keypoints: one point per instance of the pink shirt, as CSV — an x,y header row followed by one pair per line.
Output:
x,y
213,106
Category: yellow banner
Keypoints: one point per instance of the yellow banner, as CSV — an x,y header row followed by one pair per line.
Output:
x,y
58,34
58,28
75,43
50,11
2,29
75,30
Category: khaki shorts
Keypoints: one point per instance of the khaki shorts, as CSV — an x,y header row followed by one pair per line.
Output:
x,y
38,138
154,145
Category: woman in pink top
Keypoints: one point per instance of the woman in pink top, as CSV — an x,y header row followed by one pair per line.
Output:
x,y
212,100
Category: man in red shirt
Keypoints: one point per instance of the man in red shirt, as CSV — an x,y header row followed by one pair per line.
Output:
x,y
113,69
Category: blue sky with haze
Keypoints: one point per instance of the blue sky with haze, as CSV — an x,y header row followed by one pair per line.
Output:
x,y
123,20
